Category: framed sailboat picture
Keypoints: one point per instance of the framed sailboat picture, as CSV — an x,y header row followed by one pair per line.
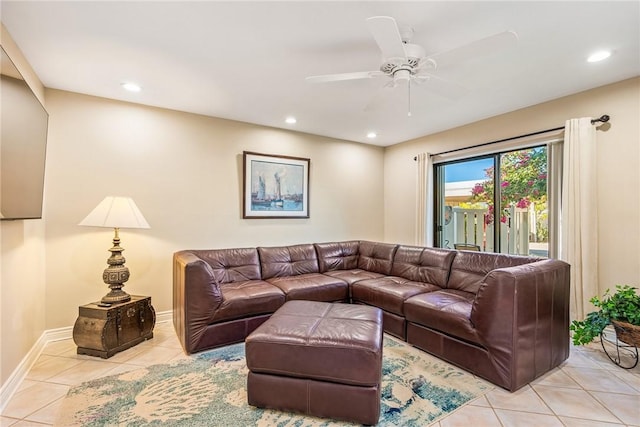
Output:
x,y
275,186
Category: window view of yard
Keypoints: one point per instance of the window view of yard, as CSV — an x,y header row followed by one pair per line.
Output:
x,y
474,200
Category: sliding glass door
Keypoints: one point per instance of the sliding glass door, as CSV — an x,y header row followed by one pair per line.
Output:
x,y
494,203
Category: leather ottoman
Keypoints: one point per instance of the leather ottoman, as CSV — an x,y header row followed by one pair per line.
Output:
x,y
318,358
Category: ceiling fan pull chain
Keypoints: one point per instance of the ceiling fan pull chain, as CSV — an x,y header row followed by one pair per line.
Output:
x,y
409,99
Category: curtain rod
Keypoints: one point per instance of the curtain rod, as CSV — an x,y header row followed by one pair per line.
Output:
x,y
602,119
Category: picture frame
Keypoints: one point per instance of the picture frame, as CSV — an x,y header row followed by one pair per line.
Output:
x,y
275,186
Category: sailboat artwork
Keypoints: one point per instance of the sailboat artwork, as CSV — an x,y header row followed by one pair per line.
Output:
x,y
275,186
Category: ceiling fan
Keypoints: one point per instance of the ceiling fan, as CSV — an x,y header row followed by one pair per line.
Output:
x,y
403,61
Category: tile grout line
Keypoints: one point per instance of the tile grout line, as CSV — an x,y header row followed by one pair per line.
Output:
x,y
606,391
605,406
582,389
545,402
521,411
26,418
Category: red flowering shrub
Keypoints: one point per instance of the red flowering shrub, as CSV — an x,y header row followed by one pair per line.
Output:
x,y
523,182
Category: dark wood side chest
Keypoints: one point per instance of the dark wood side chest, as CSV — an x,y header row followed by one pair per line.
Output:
x,y
105,331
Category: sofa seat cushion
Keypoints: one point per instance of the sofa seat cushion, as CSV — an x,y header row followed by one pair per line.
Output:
x,y
247,298
446,310
352,276
388,292
312,287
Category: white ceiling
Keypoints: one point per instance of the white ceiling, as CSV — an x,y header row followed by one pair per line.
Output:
x,y
248,61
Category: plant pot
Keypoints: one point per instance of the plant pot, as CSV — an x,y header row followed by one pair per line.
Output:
x,y
627,333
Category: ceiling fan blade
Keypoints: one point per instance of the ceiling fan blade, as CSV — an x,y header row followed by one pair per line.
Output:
x,y
475,49
440,86
385,31
344,76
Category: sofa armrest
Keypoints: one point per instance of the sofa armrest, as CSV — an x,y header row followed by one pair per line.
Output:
x,y
196,296
521,315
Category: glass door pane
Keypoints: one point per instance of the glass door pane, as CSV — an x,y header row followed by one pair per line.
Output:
x,y
523,210
462,218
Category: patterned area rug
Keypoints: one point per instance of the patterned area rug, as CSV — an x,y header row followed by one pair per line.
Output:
x,y
210,390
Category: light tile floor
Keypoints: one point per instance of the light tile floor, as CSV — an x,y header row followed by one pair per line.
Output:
x,y
587,390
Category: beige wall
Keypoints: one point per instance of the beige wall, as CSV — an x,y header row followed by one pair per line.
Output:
x,y
22,262
618,169
185,173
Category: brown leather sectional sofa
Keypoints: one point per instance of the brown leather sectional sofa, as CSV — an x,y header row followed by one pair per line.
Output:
x,y
504,318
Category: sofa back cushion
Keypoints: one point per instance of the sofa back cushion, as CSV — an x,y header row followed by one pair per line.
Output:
x,y
376,257
232,265
288,260
420,264
469,268
337,256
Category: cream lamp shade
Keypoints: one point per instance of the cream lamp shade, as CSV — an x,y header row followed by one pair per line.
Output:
x,y
116,213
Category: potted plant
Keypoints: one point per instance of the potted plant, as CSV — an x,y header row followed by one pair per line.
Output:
x,y
621,309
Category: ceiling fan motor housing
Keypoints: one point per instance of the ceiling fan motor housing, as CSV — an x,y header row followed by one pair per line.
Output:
x,y
414,54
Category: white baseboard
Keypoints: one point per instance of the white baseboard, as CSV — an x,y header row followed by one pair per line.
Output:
x,y
14,381
164,316
52,335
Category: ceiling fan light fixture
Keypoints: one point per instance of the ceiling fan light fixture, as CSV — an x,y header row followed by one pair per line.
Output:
x,y
599,56
402,74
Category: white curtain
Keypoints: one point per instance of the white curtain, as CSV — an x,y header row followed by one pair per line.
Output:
x,y
579,217
554,192
424,198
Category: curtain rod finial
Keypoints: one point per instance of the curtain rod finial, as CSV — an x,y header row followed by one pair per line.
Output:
x,y
603,119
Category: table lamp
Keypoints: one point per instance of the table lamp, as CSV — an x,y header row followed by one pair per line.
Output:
x,y
116,213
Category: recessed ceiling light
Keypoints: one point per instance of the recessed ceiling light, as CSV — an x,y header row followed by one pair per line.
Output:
x,y
599,56
291,120
131,87
371,135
